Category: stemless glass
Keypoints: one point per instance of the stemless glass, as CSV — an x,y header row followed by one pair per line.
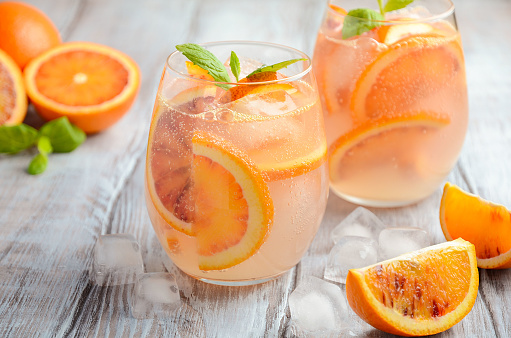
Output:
x,y
236,177
394,98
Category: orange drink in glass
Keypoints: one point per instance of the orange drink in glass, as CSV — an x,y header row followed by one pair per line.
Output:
x,y
394,95
236,172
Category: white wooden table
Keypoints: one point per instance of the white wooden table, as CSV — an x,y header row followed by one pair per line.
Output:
x,y
49,223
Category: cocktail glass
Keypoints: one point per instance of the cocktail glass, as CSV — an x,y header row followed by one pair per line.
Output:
x,y
236,176
395,99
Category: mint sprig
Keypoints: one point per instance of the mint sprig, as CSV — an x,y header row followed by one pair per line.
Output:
x,y
58,136
275,67
206,60
234,62
361,20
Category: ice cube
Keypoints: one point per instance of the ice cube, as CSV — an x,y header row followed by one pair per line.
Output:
x,y
155,295
317,306
117,260
361,222
397,241
350,252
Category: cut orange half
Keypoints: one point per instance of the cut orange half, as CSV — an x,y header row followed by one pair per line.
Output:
x,y
483,223
13,99
93,85
372,141
407,73
420,293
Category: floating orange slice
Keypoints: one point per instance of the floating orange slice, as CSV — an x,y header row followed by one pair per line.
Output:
x,y
197,71
409,71
91,84
13,99
392,33
203,186
485,224
373,140
420,293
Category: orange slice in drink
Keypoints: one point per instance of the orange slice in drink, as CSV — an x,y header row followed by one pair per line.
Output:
x,y
205,187
93,85
410,71
483,223
13,99
375,142
420,293
392,33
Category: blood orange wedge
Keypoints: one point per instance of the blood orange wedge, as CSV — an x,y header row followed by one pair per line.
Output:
x,y
483,223
376,142
420,293
13,99
91,84
410,71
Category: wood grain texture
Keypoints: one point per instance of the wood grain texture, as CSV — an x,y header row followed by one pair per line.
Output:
x,y
49,223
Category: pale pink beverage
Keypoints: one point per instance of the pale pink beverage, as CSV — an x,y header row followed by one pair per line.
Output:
x,y
236,180
395,101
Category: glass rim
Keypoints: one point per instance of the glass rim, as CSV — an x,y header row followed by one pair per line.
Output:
x,y
444,14
293,77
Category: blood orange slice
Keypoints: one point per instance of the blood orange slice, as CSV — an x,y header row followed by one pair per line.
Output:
x,y
13,99
420,293
91,84
483,223
409,71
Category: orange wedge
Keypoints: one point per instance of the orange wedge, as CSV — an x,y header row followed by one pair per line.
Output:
x,y
197,71
409,71
420,293
377,142
392,33
483,223
237,92
91,84
205,187
13,99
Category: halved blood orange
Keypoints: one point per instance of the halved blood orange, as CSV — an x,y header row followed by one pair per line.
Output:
x,y
483,223
13,99
93,85
205,187
409,71
419,293
369,144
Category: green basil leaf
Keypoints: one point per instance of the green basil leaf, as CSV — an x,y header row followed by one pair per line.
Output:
x,y
275,67
38,164
44,145
206,60
14,139
64,136
393,5
359,21
234,62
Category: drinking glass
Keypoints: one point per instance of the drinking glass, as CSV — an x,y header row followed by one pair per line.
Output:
x,y
394,98
236,178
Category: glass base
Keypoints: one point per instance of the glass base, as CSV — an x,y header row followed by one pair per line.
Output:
x,y
376,203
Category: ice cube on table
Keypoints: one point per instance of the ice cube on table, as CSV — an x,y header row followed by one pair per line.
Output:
x,y
155,295
117,260
397,241
317,306
361,222
350,252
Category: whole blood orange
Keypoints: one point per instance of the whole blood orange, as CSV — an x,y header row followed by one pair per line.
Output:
x,y
26,32
484,224
13,99
419,293
93,85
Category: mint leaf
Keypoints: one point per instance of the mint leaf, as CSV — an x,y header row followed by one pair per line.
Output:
x,y
14,139
63,135
275,67
393,5
206,60
234,62
38,164
359,21
44,145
